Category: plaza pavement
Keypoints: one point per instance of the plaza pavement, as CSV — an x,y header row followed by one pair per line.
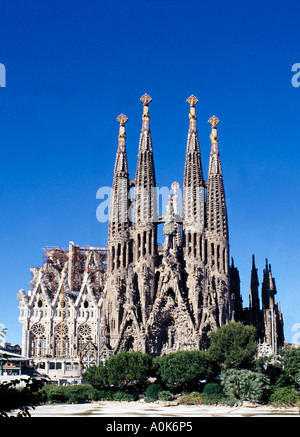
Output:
x,y
138,409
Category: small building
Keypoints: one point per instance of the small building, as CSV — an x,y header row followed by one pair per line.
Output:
x,y
61,371
12,364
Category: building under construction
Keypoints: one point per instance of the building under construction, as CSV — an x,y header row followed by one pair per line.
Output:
x,y
61,312
153,298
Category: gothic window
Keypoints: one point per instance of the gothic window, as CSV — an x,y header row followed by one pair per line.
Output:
x,y
113,257
118,255
201,238
84,330
195,245
139,246
61,340
150,242
124,254
38,329
131,251
144,243
38,340
86,348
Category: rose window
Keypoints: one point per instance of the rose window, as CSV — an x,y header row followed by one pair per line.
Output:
x,y
85,330
38,329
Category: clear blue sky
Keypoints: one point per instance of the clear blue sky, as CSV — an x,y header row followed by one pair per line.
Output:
x,y
73,66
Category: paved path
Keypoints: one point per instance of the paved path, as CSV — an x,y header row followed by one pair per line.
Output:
x,y
138,409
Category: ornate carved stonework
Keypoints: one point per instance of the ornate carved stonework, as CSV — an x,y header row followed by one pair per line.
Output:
x,y
89,303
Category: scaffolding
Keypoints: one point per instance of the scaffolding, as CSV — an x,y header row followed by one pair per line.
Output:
x,y
78,259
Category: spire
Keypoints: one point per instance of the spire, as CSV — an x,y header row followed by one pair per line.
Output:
x,y
214,162
193,183
119,204
254,276
265,289
146,99
145,182
121,158
192,100
122,119
216,211
145,137
253,296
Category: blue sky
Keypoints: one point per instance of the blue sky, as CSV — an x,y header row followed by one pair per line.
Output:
x,y
73,66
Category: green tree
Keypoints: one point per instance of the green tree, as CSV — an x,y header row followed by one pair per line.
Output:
x,y
289,360
128,369
234,345
124,370
96,376
182,369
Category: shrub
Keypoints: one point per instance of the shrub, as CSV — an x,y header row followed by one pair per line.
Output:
x,y
77,398
22,398
56,394
244,384
122,396
285,396
194,398
152,392
71,394
104,395
165,395
77,394
212,388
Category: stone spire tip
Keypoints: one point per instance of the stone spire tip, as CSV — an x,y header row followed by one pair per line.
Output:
x,y
146,99
122,119
192,101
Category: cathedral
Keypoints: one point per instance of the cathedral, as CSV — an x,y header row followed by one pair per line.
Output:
x,y
135,294
164,298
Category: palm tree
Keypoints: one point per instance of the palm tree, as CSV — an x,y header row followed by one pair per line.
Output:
x,y
2,331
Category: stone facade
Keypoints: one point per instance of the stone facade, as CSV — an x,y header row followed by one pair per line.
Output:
x,y
87,303
60,314
160,299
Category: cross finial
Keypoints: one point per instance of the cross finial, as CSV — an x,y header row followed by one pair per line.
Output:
x,y
122,119
214,121
146,99
192,100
